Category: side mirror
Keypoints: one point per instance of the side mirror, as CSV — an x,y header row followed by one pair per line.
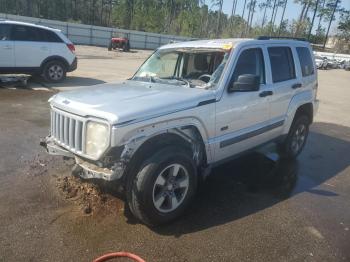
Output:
x,y
245,83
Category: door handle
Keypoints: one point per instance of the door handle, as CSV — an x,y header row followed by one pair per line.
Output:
x,y
44,48
266,93
298,85
7,47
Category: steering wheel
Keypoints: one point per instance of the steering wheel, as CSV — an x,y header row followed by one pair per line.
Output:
x,y
205,76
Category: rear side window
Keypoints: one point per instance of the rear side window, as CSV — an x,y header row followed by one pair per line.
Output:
x,y
306,64
251,61
23,33
4,32
27,33
47,36
282,64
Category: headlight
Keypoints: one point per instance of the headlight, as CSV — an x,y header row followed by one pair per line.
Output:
x,y
97,137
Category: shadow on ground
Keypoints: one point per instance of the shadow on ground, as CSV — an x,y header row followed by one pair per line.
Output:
x,y
32,82
71,81
255,182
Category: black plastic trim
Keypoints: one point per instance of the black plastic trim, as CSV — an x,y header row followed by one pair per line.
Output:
x,y
248,135
206,102
19,70
55,57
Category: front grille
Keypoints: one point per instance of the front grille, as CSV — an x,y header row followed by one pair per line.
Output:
x,y
68,130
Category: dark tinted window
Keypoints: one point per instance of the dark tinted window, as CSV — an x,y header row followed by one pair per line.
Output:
x,y
4,32
282,64
47,36
27,33
51,36
23,33
251,61
306,64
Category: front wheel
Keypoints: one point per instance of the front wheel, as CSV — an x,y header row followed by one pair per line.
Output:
x,y
296,138
163,186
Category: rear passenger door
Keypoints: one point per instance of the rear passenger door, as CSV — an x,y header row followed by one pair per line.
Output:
x,y
7,55
284,81
31,46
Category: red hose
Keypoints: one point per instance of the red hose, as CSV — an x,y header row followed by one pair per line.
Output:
x,y
118,254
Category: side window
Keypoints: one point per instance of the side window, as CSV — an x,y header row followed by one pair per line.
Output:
x,y
40,34
306,64
52,37
23,33
282,64
251,61
44,35
4,32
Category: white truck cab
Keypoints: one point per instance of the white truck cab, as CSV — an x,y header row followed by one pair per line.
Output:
x,y
190,106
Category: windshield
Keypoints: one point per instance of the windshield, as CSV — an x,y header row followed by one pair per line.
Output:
x,y
192,67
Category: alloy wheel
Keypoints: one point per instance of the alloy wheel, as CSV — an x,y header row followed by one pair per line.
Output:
x,y
170,188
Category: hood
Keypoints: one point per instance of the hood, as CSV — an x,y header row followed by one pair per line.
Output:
x,y
129,101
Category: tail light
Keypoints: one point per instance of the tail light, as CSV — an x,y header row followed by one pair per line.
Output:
x,y
71,47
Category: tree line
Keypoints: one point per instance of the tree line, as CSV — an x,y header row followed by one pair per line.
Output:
x,y
194,18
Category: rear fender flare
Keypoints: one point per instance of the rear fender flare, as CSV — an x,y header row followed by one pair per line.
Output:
x,y
297,101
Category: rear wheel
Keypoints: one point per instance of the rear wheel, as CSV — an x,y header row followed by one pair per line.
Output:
x,y
163,187
54,71
296,138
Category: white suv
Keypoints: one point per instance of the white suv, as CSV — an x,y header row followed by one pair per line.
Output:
x,y
34,49
190,106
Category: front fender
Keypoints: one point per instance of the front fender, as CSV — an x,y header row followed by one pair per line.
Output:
x,y
298,100
135,136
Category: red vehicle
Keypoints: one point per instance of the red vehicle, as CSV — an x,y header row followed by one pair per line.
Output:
x,y
120,43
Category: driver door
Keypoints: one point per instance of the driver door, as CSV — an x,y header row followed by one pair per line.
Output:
x,y
242,116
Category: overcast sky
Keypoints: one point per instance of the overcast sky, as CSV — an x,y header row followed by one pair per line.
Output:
x,y
292,10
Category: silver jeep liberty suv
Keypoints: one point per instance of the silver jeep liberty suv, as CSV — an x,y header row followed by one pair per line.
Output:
x,y
189,107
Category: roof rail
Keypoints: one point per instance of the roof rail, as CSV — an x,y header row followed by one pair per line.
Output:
x,y
280,37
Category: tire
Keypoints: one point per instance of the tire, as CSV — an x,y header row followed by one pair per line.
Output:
x,y
127,46
154,197
54,71
123,46
294,143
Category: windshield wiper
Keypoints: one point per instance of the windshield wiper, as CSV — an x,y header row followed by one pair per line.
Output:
x,y
188,84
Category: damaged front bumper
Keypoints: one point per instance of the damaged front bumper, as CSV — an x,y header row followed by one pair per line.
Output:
x,y
87,169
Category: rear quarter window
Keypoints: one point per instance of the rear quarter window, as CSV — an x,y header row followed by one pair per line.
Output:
x,y
52,37
305,59
282,64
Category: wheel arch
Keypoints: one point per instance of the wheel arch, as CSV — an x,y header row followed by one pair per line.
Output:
x,y
188,137
300,104
54,58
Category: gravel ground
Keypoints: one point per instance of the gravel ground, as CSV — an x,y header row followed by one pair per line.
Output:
x,y
292,211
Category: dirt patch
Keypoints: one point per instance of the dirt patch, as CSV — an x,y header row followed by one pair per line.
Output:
x,y
92,198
